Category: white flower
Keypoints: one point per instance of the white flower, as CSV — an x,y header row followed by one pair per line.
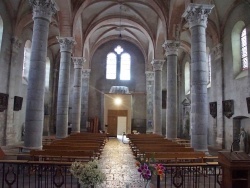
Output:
x,y
87,173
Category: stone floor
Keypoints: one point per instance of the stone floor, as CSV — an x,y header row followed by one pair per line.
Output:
x,y
118,163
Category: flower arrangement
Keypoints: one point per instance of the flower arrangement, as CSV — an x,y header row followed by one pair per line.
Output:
x,y
148,168
89,174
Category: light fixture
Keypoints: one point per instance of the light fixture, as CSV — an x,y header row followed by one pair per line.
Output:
x,y
118,101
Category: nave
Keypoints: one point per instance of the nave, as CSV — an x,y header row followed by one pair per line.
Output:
x,y
119,165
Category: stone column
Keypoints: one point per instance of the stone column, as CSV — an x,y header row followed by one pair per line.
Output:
x,y
77,92
157,65
85,98
10,127
42,13
171,48
196,15
150,100
66,45
217,84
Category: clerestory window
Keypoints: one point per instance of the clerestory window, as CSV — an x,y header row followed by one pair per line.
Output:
x,y
118,63
244,55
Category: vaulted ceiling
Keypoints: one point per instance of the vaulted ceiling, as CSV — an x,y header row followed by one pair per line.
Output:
x,y
145,23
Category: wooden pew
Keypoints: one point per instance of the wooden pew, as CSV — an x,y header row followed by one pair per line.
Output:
x,y
2,154
139,147
166,157
95,149
61,155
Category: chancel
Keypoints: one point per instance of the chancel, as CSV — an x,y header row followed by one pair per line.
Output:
x,y
120,81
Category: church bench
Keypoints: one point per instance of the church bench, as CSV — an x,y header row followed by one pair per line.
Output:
x,y
61,155
71,143
85,140
135,146
134,143
141,149
143,135
176,156
96,149
90,135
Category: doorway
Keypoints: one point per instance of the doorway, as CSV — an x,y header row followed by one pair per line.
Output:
x,y
117,122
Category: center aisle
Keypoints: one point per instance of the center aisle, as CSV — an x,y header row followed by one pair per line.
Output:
x,y
118,163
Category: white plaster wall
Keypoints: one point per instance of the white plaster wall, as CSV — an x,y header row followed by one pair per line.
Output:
x,y
234,89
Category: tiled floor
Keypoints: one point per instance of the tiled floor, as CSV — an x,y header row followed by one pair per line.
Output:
x,y
118,163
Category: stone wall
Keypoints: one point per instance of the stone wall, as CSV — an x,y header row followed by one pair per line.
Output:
x,y
99,84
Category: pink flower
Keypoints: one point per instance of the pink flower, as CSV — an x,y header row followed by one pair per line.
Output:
x,y
145,171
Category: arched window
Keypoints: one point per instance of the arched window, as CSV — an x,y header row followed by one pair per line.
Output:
x,y
239,50
111,66
26,61
118,63
125,66
243,45
187,78
47,73
1,31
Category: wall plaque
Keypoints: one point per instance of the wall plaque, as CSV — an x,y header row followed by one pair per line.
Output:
x,y
228,108
248,104
18,101
3,101
213,109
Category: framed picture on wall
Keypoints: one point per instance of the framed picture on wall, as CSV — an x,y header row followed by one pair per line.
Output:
x,y
228,108
18,101
213,109
3,101
248,104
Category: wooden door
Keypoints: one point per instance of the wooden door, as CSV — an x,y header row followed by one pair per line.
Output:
x,y
112,120
112,125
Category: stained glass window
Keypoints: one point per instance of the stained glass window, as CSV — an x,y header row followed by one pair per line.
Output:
x,y
1,31
244,58
125,67
118,63
111,66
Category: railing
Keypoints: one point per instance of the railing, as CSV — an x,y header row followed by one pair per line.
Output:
x,y
188,175
42,174
35,174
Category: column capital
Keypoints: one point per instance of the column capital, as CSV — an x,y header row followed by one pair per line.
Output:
x,y
150,75
217,51
171,47
16,44
157,64
86,73
197,14
66,43
43,9
78,62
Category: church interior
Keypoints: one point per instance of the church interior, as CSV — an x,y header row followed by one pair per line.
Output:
x,y
177,69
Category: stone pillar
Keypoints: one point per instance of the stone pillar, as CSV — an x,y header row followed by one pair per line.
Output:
x,y
11,136
171,48
196,15
217,84
157,65
77,92
85,98
42,13
150,100
66,45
